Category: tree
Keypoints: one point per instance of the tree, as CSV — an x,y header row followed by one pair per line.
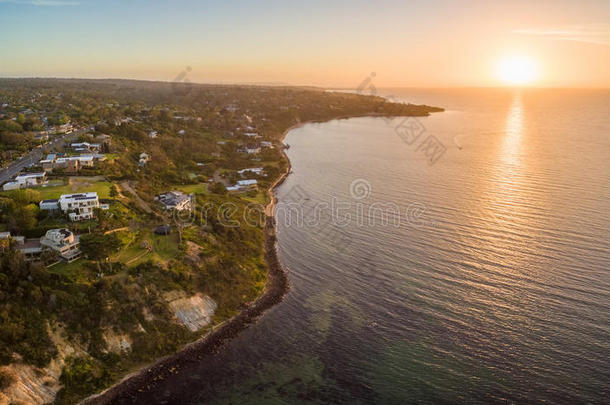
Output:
x,y
114,192
218,188
99,247
49,256
23,218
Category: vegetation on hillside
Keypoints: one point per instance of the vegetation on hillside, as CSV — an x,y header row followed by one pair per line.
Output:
x,y
120,284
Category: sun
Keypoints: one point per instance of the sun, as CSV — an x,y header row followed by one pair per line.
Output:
x,y
517,70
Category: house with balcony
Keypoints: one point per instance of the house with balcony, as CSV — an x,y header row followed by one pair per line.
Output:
x,y
78,206
62,241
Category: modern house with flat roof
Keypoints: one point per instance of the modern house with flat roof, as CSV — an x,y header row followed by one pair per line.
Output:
x,y
253,149
85,147
71,163
77,206
175,200
243,185
84,161
247,184
256,170
62,241
26,180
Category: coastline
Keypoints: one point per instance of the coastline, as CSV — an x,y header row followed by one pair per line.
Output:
x,y
275,289
139,381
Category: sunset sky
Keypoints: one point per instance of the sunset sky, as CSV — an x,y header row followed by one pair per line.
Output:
x,y
326,43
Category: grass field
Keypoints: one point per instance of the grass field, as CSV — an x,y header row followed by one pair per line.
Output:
x,y
70,270
200,188
163,249
260,198
102,188
56,188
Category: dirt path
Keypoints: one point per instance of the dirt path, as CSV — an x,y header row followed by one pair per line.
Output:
x,y
143,204
219,179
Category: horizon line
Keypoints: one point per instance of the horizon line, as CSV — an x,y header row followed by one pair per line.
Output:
x,y
280,84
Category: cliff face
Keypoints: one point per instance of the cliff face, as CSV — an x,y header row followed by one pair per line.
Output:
x,y
33,385
37,386
194,312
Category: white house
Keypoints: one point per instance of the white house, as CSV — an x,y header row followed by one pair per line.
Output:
x,y
84,161
243,185
153,134
267,144
62,241
246,184
19,240
49,205
253,149
144,158
77,206
26,180
256,170
97,157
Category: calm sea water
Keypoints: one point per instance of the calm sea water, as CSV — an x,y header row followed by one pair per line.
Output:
x,y
483,277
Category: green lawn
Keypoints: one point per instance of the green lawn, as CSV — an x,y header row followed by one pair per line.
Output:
x,y
102,188
70,270
164,248
56,188
200,188
111,156
260,198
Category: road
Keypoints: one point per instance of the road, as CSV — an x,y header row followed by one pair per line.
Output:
x,y
35,155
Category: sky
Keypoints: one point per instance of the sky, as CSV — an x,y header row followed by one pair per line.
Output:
x,y
329,43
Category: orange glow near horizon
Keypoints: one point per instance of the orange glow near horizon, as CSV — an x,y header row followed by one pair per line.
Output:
x,y
319,43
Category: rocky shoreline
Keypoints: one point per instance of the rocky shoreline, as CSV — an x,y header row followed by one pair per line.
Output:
x,y
137,384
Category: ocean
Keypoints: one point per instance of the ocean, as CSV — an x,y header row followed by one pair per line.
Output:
x,y
461,257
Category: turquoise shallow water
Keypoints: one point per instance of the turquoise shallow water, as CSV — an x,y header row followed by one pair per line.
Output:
x,y
477,270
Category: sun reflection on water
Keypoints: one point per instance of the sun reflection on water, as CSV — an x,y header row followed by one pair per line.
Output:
x,y
512,143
